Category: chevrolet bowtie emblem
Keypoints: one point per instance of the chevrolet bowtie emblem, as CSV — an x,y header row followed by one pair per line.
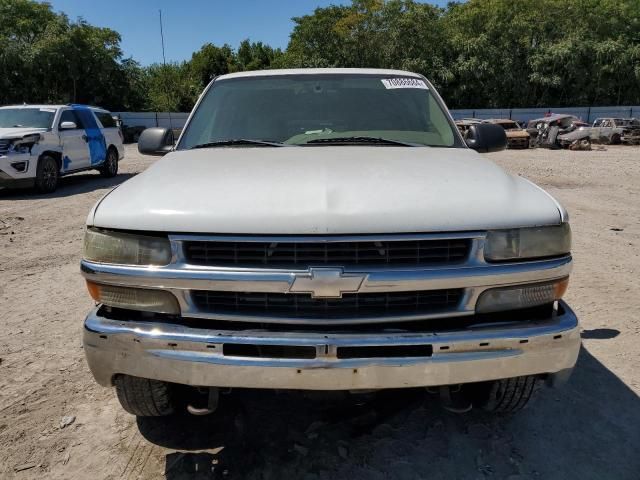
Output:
x,y
326,283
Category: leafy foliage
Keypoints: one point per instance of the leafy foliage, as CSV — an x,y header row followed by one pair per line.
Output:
x,y
486,53
481,53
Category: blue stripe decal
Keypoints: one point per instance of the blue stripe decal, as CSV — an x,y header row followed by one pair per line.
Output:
x,y
95,138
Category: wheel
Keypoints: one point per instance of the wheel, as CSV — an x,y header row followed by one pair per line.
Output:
x,y
615,139
144,397
504,396
110,166
136,137
47,174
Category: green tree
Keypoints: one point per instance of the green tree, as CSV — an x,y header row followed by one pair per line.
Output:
x,y
211,61
256,56
171,88
480,53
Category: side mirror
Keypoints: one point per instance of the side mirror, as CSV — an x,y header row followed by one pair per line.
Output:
x,y
486,137
155,141
68,126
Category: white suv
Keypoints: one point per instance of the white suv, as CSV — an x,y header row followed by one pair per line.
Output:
x,y
327,229
40,143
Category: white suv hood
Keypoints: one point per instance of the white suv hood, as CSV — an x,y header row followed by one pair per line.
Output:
x,y
324,190
18,132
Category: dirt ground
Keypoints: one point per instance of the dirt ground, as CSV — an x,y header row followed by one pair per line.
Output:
x,y
590,429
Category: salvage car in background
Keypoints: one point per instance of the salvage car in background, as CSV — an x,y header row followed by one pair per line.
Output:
x,y
517,137
40,143
558,130
631,134
607,130
613,130
464,124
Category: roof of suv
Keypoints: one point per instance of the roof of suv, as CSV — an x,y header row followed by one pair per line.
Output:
x,y
319,71
22,105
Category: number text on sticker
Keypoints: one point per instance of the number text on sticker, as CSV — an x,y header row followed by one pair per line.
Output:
x,y
404,83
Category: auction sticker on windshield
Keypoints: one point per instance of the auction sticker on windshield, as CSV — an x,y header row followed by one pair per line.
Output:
x,y
390,83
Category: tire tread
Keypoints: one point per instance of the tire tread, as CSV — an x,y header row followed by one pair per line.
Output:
x,y
39,186
104,170
511,394
143,397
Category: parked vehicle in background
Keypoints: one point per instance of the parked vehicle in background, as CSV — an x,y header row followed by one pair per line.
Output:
x,y
464,124
612,130
607,130
327,229
577,138
631,133
40,143
517,137
558,130
132,132
554,120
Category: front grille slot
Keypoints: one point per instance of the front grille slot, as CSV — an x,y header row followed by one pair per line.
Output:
x,y
353,305
268,351
385,351
4,147
345,254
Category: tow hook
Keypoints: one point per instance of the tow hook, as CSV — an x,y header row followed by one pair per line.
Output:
x,y
212,404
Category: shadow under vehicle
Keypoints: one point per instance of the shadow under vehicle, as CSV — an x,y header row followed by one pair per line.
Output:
x,y
594,422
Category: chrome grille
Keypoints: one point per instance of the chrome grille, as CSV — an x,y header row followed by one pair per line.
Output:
x,y
352,305
344,254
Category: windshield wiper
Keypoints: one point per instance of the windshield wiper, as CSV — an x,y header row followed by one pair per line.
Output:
x,y
356,140
239,141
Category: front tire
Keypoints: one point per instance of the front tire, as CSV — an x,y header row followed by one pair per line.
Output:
x,y
47,174
508,395
144,397
110,167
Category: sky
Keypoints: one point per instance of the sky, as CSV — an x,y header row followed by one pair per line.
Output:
x,y
188,24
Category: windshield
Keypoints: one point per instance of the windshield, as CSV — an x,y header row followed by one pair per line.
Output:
x,y
26,117
314,109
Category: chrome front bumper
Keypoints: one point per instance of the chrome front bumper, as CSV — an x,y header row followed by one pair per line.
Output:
x,y
195,356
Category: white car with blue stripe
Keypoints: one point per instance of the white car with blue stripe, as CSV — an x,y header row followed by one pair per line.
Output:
x,y
41,143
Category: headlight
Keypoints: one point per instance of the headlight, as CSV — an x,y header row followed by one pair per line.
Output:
x,y
24,144
527,243
522,296
125,248
145,299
